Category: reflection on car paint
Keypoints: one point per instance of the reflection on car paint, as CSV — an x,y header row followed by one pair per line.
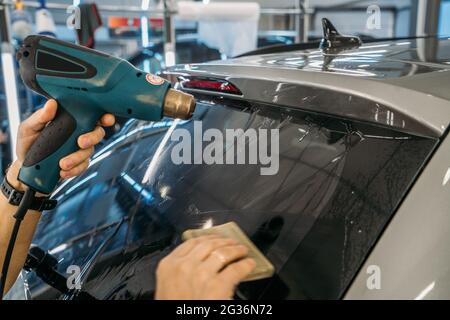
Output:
x,y
379,61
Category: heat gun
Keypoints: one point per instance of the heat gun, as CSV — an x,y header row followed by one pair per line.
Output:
x,y
86,84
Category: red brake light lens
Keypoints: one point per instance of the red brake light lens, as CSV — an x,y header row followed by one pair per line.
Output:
x,y
216,85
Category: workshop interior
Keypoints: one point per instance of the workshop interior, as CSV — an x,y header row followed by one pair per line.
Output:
x,y
313,132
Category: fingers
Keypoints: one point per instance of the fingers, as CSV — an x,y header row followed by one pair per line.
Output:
x,y
107,120
221,257
92,138
184,275
37,121
77,162
73,164
236,272
76,158
186,247
76,171
205,248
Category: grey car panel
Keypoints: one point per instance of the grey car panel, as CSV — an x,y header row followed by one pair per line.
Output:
x,y
320,100
432,111
404,76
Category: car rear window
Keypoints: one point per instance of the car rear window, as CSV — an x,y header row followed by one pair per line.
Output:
x,y
338,184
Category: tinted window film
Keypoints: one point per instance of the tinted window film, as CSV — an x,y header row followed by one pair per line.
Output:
x,y
339,182
337,186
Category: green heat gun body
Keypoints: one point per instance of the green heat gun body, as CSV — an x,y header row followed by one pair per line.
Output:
x,y
86,84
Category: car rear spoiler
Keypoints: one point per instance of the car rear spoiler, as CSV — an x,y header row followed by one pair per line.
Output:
x,y
367,100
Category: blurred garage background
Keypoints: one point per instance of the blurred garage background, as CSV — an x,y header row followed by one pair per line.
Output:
x,y
155,34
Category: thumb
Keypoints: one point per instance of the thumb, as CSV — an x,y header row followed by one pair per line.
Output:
x,y
38,120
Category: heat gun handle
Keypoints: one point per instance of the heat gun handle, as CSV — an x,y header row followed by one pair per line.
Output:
x,y
58,139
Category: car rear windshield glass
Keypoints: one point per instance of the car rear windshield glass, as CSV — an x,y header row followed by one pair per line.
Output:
x,y
337,184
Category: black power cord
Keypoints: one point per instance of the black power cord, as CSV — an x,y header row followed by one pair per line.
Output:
x,y
19,216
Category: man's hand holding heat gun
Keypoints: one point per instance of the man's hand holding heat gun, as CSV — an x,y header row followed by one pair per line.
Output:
x,y
208,267
70,166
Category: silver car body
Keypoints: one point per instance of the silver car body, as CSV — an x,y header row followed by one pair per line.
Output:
x,y
409,77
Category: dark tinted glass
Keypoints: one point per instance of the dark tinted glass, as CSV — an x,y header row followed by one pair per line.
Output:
x,y
338,184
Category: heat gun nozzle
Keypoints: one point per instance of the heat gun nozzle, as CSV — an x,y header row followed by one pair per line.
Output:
x,y
178,105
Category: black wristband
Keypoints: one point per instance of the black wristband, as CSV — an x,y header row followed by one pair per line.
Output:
x,y
15,196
